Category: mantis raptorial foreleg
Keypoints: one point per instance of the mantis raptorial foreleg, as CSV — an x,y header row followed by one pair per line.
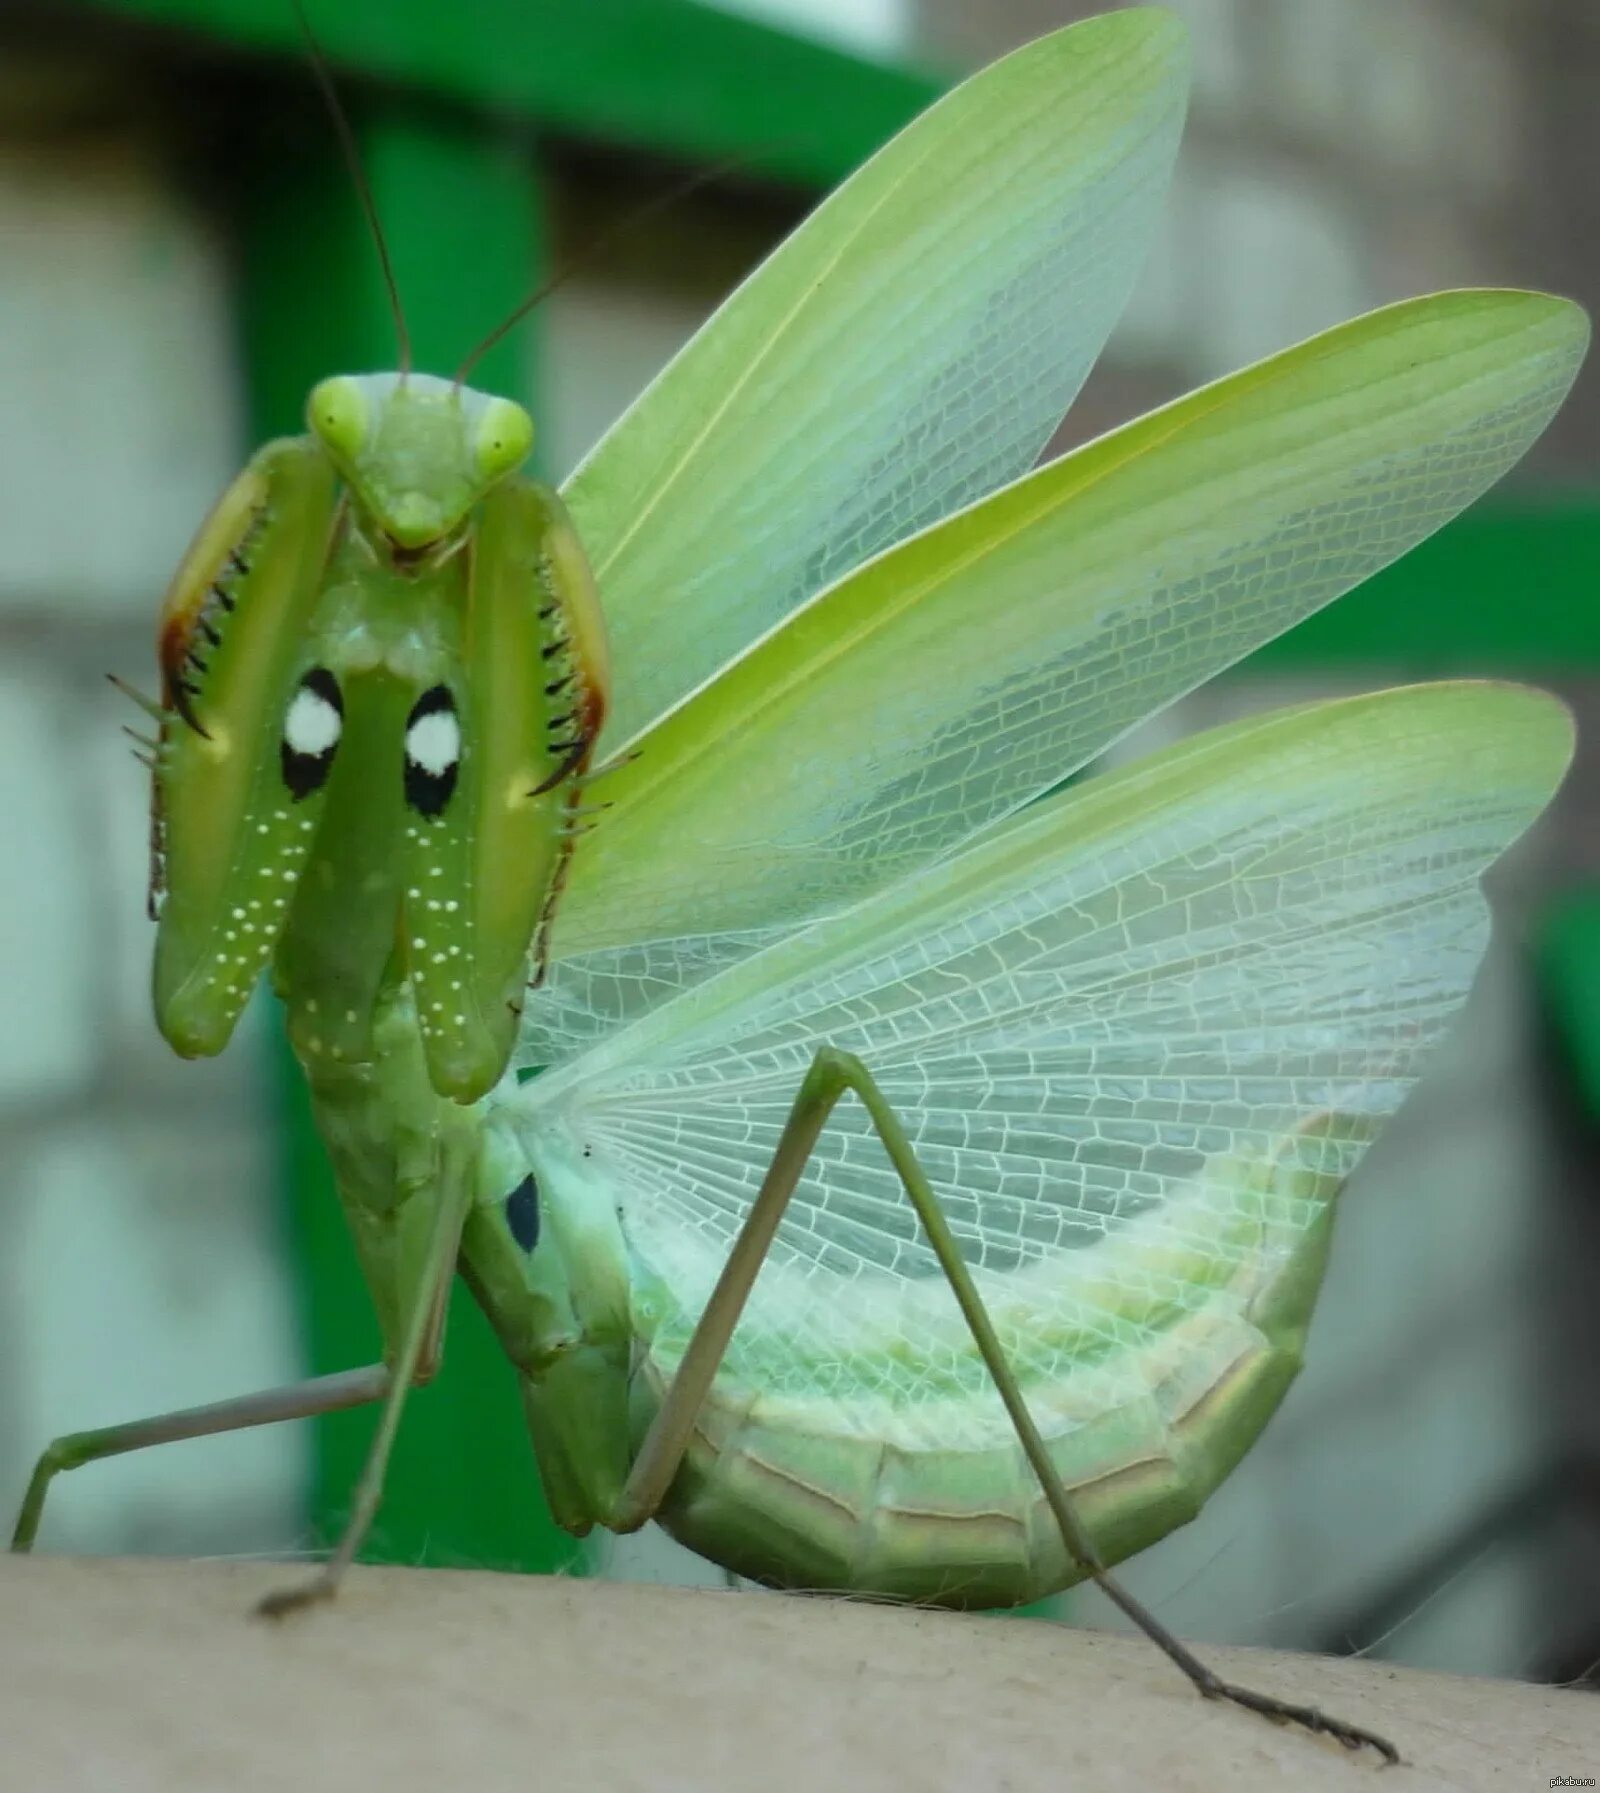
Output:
x,y
832,1073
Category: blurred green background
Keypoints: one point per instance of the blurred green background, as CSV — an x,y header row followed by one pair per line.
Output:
x,y
183,256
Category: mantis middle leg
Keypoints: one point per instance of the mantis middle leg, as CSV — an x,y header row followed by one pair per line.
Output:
x,y
419,1349
299,1400
415,1362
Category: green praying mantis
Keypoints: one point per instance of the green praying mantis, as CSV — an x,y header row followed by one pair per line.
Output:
x,y
584,935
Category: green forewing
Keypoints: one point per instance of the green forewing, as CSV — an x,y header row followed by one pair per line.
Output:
x,y
966,670
233,839
912,345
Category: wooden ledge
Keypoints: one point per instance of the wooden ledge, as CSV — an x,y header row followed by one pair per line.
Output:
x,y
149,1677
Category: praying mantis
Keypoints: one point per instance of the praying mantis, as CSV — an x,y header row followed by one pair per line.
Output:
x,y
888,1176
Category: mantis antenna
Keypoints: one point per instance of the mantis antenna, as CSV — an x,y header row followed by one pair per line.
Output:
x,y
358,176
352,156
678,191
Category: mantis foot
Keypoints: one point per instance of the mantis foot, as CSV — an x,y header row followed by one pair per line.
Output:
x,y
280,1604
1353,1737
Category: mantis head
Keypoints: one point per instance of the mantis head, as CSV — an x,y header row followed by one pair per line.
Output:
x,y
417,452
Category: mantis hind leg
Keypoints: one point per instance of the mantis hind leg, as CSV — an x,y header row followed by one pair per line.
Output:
x,y
832,1074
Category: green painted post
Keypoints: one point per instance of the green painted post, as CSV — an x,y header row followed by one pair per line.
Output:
x,y
1508,590
461,213
685,78
1567,965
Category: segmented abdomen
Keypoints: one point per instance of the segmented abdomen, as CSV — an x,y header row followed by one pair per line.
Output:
x,y
819,1493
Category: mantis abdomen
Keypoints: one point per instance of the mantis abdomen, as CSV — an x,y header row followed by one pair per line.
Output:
x,y
879,1460
875,1493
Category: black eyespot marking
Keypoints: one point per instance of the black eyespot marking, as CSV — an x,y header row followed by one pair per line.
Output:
x,y
433,751
311,729
522,1213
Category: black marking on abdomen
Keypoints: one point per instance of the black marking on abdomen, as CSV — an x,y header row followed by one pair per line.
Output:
x,y
522,1212
312,725
433,751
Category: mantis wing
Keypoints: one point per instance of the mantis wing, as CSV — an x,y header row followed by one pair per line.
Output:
x,y
963,672
912,345
1137,1037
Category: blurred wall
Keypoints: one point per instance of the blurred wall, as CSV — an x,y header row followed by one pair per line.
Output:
x,y
142,1271
1342,155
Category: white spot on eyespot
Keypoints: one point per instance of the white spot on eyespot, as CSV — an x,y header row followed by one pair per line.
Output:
x,y
451,907
438,958
433,742
312,724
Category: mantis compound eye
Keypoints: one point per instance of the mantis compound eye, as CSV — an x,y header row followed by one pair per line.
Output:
x,y
505,434
337,414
